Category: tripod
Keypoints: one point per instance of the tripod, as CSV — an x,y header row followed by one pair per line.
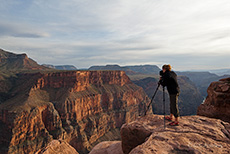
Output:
x,y
153,98
164,103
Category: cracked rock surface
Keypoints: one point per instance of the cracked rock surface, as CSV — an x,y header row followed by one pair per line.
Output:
x,y
194,135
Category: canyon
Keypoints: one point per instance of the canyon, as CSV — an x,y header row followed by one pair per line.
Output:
x,y
78,107
43,110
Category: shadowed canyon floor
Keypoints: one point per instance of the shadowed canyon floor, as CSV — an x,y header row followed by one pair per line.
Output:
x,y
194,135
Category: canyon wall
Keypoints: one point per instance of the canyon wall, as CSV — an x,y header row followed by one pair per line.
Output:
x,y
76,106
217,103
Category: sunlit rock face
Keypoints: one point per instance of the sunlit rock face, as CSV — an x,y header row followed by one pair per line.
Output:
x,y
78,107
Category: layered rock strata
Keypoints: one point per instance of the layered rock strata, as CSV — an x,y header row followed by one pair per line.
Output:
x,y
217,103
76,106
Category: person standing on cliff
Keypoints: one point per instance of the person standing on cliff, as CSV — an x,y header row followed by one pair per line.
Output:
x,y
169,79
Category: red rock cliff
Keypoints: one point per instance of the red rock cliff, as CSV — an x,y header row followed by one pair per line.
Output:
x,y
217,103
76,106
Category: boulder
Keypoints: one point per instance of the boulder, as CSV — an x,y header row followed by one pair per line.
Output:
x,y
107,147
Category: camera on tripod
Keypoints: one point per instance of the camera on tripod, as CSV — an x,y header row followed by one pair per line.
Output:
x,y
161,78
161,73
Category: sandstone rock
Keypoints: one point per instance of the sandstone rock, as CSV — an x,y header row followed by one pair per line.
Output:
x,y
133,134
217,103
195,134
76,106
57,147
107,147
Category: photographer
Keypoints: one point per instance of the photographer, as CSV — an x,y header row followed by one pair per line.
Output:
x,y
169,79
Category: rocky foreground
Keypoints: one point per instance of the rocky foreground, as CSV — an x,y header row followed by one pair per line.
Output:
x,y
194,135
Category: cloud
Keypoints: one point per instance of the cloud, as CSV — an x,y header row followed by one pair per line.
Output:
x,y
87,32
20,30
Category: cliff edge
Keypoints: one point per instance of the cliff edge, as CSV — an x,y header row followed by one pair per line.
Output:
x,y
194,135
217,103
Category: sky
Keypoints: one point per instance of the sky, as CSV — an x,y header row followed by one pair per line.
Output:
x,y
188,34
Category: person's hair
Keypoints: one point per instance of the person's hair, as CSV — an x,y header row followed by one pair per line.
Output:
x,y
167,67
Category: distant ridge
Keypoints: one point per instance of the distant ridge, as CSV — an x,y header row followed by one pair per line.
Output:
x,y
221,72
11,61
60,67
145,69
130,70
112,67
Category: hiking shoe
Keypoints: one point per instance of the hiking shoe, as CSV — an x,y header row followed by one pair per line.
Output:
x,y
174,123
168,118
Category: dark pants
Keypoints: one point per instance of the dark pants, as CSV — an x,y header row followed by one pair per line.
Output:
x,y
174,105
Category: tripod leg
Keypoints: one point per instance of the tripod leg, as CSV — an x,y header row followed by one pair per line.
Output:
x,y
152,99
164,104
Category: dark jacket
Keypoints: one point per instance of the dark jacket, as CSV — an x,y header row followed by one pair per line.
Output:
x,y
169,79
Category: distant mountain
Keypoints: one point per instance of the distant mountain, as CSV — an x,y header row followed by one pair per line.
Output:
x,y
202,79
60,67
145,69
11,61
130,70
108,67
221,72
112,67
198,77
